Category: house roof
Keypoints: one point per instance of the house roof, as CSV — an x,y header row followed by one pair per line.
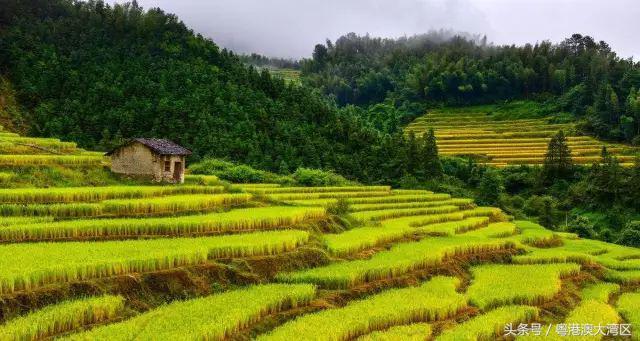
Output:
x,y
160,146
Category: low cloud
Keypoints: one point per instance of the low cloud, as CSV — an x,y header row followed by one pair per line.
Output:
x,y
290,28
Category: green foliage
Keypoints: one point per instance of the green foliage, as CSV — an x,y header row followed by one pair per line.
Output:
x,y
581,226
557,162
340,207
317,177
490,188
237,173
631,234
213,317
432,167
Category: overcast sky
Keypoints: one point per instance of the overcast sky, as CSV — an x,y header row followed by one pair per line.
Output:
x,y
290,28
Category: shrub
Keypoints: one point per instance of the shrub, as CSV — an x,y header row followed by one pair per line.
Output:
x,y
340,207
631,234
236,172
490,188
583,227
317,177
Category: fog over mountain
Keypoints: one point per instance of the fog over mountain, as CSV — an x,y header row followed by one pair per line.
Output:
x,y
290,28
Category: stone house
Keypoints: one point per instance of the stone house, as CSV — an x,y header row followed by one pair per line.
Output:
x,y
157,159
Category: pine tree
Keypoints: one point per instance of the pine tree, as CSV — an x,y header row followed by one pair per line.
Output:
x,y
606,178
546,217
565,162
431,165
490,188
412,153
633,107
557,162
604,154
634,181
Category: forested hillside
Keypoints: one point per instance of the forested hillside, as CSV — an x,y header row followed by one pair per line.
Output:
x,y
396,80
96,74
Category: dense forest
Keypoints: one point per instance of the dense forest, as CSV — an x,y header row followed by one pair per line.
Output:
x,y
394,80
96,74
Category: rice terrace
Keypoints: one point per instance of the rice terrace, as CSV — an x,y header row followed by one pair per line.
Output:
x,y
500,142
163,182
268,261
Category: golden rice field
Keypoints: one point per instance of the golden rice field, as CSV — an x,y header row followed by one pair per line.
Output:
x,y
503,143
262,261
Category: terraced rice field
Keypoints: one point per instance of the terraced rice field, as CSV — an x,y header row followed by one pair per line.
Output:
x,y
267,262
288,75
19,151
503,143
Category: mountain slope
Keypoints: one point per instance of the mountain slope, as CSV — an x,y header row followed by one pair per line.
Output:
x,y
96,74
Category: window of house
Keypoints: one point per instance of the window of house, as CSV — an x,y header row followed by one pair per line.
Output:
x,y
167,166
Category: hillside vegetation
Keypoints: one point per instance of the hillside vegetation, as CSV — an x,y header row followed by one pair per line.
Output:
x,y
216,260
96,74
396,80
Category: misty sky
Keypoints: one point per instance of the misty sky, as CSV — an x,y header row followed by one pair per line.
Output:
x,y
290,28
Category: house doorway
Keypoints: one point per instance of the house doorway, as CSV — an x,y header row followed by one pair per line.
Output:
x,y
177,171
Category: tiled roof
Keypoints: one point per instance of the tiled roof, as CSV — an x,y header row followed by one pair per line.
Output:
x,y
160,146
